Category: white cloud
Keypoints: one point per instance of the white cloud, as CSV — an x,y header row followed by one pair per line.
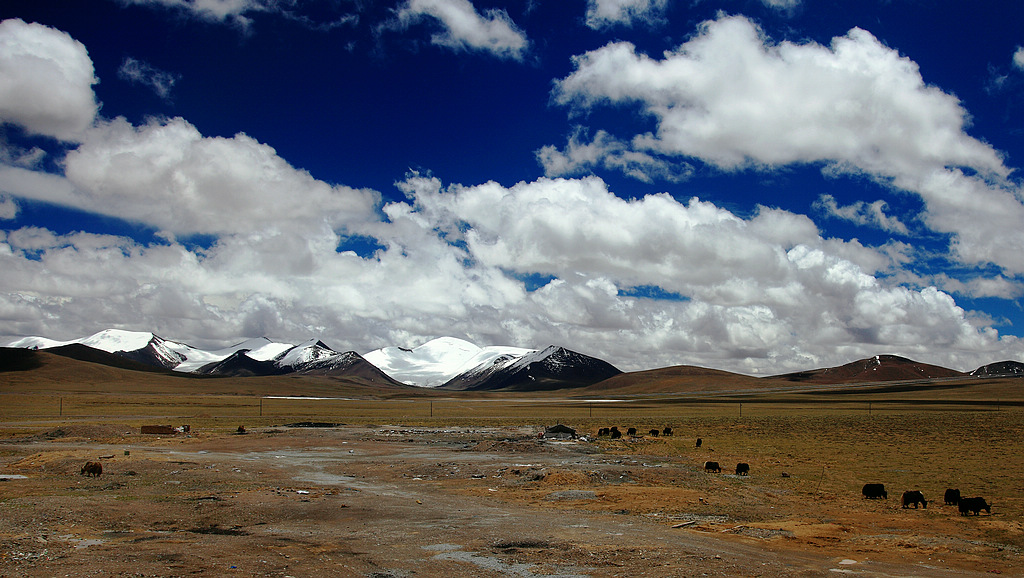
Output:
x,y
606,13
1018,58
217,10
862,213
466,29
605,151
734,99
8,208
46,80
781,4
167,175
139,72
998,286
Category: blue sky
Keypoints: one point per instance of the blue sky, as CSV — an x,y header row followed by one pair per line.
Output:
x,y
758,186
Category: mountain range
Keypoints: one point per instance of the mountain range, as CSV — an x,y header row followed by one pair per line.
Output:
x,y
454,364
443,363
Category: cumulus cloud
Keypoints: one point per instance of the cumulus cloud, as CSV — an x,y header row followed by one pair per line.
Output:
x,y
463,28
862,213
605,151
139,72
734,99
168,175
46,80
606,13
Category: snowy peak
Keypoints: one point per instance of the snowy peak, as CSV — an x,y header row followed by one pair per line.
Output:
x,y
436,362
551,368
443,362
304,353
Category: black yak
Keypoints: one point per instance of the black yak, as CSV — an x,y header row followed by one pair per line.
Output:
x,y
952,497
874,491
975,505
914,497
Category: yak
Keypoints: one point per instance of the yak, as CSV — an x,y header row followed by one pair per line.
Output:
x,y
712,467
94,469
874,491
699,442
742,469
952,497
975,505
654,433
631,432
667,431
914,497
615,433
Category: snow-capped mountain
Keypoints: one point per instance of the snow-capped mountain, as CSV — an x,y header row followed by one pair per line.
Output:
x,y
136,345
438,361
553,367
443,362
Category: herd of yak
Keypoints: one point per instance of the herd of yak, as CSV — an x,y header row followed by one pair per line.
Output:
x,y
872,491
915,497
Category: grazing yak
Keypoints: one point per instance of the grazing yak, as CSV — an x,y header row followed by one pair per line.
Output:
x,y
952,497
874,491
603,432
914,497
667,431
742,469
699,441
712,467
654,433
94,469
975,505
631,432
616,434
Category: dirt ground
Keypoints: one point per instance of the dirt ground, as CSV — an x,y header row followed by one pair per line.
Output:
x,y
401,501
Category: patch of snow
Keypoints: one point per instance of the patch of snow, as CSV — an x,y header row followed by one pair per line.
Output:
x,y
114,340
307,352
437,361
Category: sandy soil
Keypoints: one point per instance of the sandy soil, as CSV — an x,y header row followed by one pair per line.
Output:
x,y
399,501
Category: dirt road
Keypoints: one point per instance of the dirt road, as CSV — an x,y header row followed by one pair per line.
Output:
x,y
399,501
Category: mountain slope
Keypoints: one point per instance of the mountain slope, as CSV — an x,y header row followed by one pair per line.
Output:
x,y
878,368
1001,369
310,358
551,368
438,361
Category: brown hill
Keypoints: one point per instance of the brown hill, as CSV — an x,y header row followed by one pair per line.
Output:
x,y
880,368
40,371
675,379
